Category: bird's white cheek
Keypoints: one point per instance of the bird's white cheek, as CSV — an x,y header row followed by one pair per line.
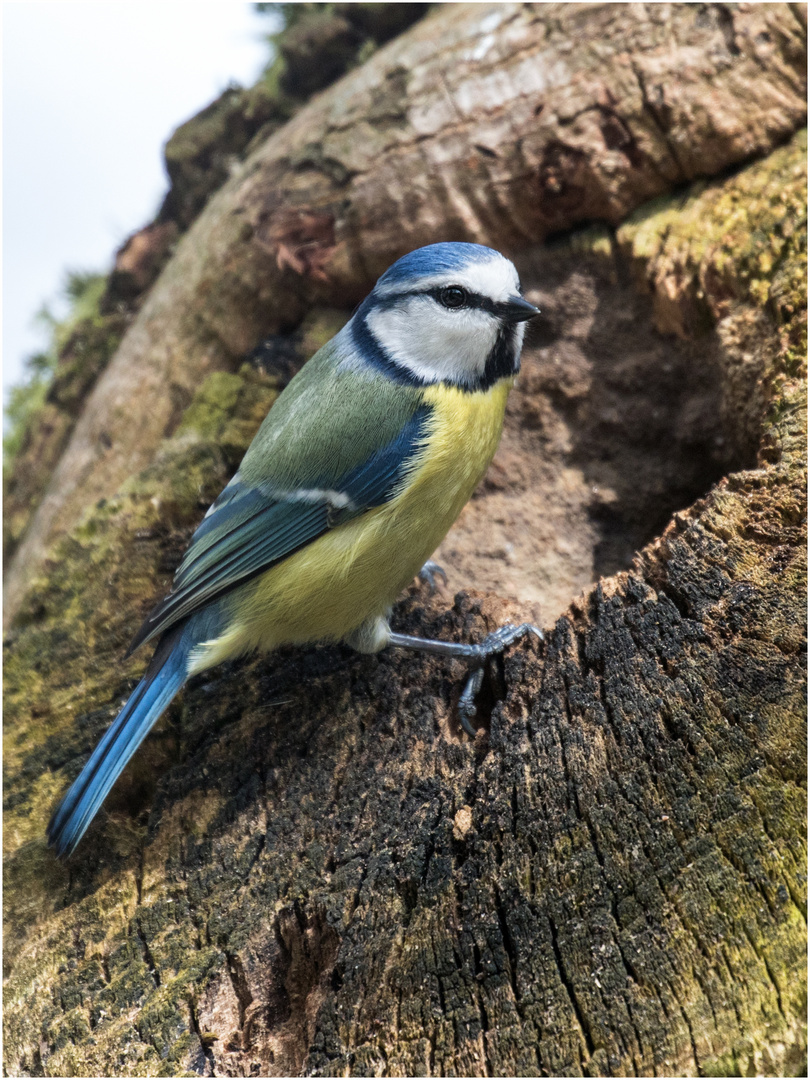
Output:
x,y
434,344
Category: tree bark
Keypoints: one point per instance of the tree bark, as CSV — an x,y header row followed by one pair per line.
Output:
x,y
308,868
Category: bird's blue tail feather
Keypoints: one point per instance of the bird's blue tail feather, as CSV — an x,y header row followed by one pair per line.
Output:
x,y
164,677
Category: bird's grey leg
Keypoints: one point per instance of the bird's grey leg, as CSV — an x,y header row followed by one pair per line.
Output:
x,y
429,572
492,645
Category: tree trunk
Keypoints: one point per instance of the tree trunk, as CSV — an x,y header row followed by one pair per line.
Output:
x,y
308,867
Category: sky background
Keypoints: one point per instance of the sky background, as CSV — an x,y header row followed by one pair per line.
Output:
x,y
92,89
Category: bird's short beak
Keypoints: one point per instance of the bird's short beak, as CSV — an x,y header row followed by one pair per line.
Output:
x,y
516,309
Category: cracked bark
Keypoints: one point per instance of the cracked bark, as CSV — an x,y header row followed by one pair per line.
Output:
x,y
327,875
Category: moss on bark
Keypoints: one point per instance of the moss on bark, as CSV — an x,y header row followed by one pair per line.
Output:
x,y
35,447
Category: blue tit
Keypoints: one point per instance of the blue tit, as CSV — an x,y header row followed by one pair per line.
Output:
x,y
354,478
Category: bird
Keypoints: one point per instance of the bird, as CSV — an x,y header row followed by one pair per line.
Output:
x,y
360,468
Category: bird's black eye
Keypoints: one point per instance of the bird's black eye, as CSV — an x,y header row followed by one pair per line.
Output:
x,y
453,296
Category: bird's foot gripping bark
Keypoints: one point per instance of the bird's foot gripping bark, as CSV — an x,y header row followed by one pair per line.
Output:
x,y
492,645
429,572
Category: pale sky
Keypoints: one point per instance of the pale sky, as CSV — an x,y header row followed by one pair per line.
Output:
x,y
92,89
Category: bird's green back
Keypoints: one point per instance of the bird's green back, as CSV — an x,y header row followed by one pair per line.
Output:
x,y
329,419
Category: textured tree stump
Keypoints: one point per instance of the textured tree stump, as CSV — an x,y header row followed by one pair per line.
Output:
x,y
308,868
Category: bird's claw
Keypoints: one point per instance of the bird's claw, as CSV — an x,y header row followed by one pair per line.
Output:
x,y
466,703
492,645
504,636
429,572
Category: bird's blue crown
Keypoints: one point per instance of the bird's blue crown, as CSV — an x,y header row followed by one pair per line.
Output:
x,y
436,259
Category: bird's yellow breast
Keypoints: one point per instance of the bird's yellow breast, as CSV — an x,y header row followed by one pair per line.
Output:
x,y
356,571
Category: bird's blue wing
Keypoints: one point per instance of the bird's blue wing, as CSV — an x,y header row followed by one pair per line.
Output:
x,y
250,528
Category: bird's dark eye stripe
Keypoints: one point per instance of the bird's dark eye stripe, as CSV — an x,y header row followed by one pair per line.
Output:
x,y
472,300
